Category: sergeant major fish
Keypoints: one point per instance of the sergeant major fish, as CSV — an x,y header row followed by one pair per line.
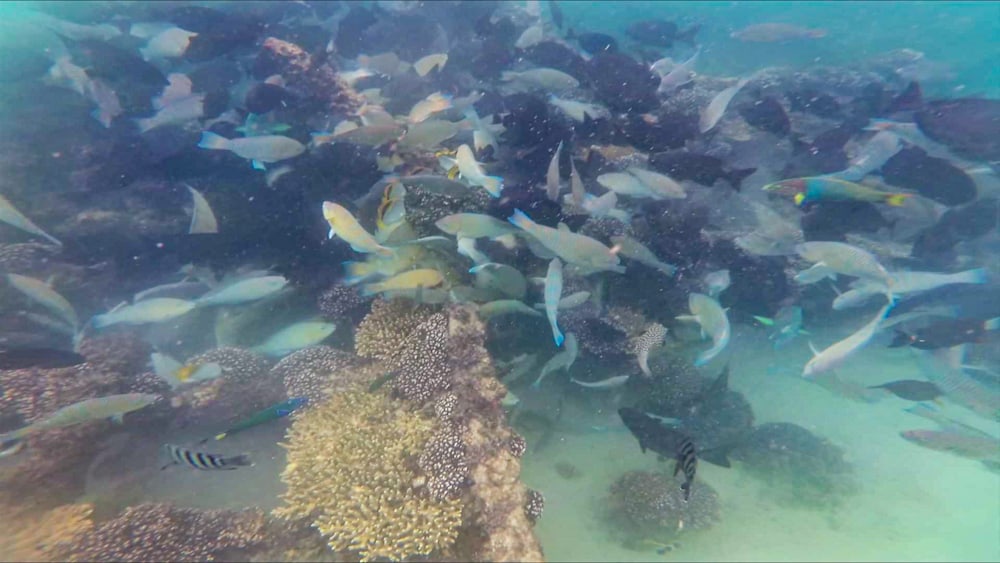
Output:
x,y
668,442
204,461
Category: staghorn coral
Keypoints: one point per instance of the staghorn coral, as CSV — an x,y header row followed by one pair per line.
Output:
x,y
646,503
343,302
161,532
383,332
349,471
30,536
423,367
320,371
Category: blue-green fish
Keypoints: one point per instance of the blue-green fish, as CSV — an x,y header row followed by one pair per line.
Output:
x,y
553,292
573,248
713,320
295,337
156,310
273,412
243,291
43,294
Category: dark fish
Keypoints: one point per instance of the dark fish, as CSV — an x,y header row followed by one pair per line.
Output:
x,y
967,126
934,178
665,441
911,389
204,461
814,102
700,168
593,42
660,33
824,155
910,99
767,114
43,358
936,243
622,83
945,334
832,220
264,97
556,13
558,56
970,301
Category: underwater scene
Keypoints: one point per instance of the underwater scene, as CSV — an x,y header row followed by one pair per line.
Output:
x,y
499,281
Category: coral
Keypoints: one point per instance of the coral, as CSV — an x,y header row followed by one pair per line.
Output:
x,y
28,536
343,302
384,330
245,386
645,503
798,467
517,445
423,367
349,471
238,364
444,407
596,336
317,80
161,532
535,505
319,371
443,459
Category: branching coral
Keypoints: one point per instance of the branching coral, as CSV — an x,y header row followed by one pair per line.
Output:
x,y
34,537
383,332
349,468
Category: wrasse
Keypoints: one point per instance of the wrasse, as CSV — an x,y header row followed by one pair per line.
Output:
x,y
823,188
273,412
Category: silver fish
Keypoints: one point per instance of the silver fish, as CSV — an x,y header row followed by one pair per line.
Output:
x,y
10,215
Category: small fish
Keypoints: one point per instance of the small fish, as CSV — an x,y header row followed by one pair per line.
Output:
x,y
273,412
711,115
170,43
609,383
857,296
552,175
650,339
180,290
707,312
787,325
872,156
530,37
506,307
114,407
911,389
667,442
345,226
177,374
40,358
553,292
259,150
10,215
243,291
776,32
678,76
562,360
716,282
472,172
422,278
631,248
482,133
434,103
106,99
579,111
624,184
815,273
427,135
204,461
202,218
845,259
832,357
946,334
368,135
519,367
825,188
913,282
578,192
156,310
42,293
295,337
659,185
548,79
426,64
573,248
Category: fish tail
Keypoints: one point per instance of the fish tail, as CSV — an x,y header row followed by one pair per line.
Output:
x,y
992,324
558,336
521,220
493,185
508,75
211,140
897,199
355,272
241,460
371,289
977,276
100,321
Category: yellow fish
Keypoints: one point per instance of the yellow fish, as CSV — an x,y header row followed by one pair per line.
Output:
x,y
345,226
422,278
436,102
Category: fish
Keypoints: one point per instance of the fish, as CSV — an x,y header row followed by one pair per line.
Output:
x,y
65,74
711,115
562,360
578,193
385,64
155,310
169,43
971,446
575,249
375,265
667,442
787,325
42,293
368,135
477,225
434,103
826,188
273,412
422,278
875,153
834,356
424,65
625,184
10,215
678,76
914,282
391,210
346,227
573,300
518,367
857,296
39,358
845,259
553,292
631,248
114,407
707,312
202,218
701,168
295,337
651,338
506,307
261,150
428,135
500,277
106,99
176,374
946,369
548,79
530,37
946,334
472,172
815,273
660,185
243,291
179,290
552,175
579,111
204,461
609,383
467,247
911,389
776,33
716,282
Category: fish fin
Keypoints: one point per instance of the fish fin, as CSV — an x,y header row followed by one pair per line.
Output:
x,y
118,418
992,324
509,241
897,199
258,165
813,348
716,456
520,219
559,337
493,185
211,140
764,320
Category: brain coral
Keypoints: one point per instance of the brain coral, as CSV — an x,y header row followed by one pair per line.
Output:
x,y
351,469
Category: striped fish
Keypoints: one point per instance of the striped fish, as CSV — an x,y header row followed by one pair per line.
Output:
x,y
688,461
203,461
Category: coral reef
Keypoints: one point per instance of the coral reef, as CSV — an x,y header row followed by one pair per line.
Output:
x,y
161,532
238,365
384,330
245,386
340,302
32,535
348,469
646,503
423,367
316,80
320,371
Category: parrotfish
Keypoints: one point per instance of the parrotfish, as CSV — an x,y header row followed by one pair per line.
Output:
x,y
678,76
426,64
243,291
552,183
579,111
713,320
43,294
831,358
434,103
202,218
345,226
477,225
472,172
113,406
10,215
609,383
505,307
169,43
659,185
295,337
815,273
826,188
711,115
982,447
716,282
845,259
500,277
177,374
562,360
425,278
631,248
946,334
876,152
547,79
553,292
259,150
467,248
154,310
573,248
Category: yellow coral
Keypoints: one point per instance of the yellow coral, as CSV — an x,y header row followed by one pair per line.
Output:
x,y
382,332
27,537
350,471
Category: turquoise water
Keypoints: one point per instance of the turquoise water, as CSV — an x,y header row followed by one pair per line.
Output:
x,y
210,209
